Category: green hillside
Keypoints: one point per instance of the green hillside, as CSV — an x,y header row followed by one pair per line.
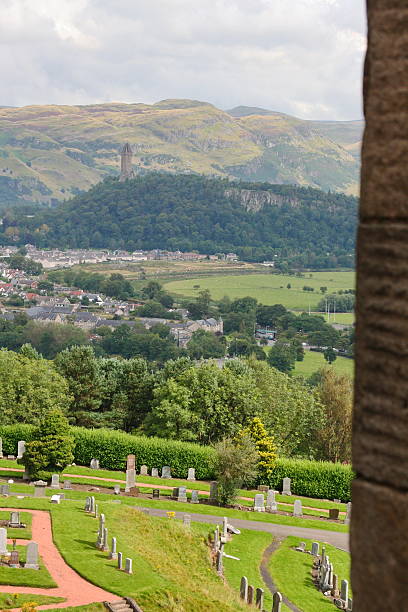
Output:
x,y
51,152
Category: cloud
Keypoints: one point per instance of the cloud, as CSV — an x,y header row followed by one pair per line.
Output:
x,y
298,56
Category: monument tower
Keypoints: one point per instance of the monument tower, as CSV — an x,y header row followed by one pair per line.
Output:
x,y
126,171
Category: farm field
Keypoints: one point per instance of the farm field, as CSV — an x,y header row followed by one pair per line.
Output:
x,y
345,318
313,361
267,288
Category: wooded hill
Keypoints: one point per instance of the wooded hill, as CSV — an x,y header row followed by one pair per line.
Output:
x,y
305,226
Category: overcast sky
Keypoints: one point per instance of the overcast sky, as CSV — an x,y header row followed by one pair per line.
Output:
x,y
302,57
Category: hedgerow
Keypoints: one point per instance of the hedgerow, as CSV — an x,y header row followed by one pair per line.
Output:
x,y
319,479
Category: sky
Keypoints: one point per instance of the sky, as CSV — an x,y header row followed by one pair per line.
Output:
x,y
302,57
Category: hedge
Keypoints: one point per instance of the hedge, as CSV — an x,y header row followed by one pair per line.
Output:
x,y
319,479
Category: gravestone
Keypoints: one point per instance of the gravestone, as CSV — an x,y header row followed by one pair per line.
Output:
x,y
224,529
92,507
14,519
350,605
55,483
11,457
286,487
156,493
348,514
94,465
182,494
251,592
120,560
5,489
128,566
297,508
14,559
187,520
99,538
194,497
219,561
259,502
144,470
315,549
39,488
263,488
333,514
155,472
301,547
271,505
216,543
1,448
32,556
131,462
3,541
213,492
55,499
335,588
113,553
277,602
116,489
87,506
191,474
134,491
104,543
344,591
130,479
166,471
243,589
20,448
67,485
259,598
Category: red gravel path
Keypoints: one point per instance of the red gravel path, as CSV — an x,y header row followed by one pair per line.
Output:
x,y
76,590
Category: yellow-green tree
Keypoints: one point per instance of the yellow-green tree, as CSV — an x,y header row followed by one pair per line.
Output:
x,y
264,444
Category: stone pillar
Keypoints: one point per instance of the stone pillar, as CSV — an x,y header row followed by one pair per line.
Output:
x,y
379,522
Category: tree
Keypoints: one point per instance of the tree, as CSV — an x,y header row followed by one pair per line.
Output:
x,y
330,355
323,290
288,286
51,449
264,445
236,464
171,415
205,345
336,396
282,356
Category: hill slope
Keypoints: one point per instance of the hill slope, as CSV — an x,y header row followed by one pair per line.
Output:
x,y
188,212
50,152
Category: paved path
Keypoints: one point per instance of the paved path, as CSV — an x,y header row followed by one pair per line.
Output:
x,y
76,590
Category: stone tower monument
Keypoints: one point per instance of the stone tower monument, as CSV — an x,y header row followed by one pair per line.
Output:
x,y
126,171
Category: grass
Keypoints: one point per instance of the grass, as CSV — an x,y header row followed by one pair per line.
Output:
x,y
22,534
291,572
267,288
16,600
31,578
95,607
313,361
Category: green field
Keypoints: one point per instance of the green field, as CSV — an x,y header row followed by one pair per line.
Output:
x,y
314,361
267,288
346,318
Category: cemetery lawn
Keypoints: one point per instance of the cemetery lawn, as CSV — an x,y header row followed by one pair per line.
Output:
x,y
291,572
268,289
314,361
16,600
31,578
95,607
22,534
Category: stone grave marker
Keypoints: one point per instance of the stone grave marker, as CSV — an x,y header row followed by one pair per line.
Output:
x,y
14,559
1,448
128,566
243,590
224,529
130,480
286,487
3,541
155,472
301,547
143,470
55,499
315,549
55,481
194,497
213,492
5,489
187,520
335,590
344,591
11,457
251,592
20,448
174,494
166,471
116,489
277,602
113,553
259,502
14,519
219,561
131,462
156,493
67,485
120,560
39,488
263,488
333,514
92,507
32,556
297,508
134,491
191,474
104,543
350,605
259,598
348,514
182,494
87,506
94,465
271,505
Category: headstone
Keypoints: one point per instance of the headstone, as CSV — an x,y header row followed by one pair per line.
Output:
x,y
194,497
243,590
14,560
116,489
134,491
39,488
277,602
182,494
219,561
297,508
67,485
130,479
286,487
120,561
55,499
143,470
301,547
55,483
3,541
213,492
94,465
263,488
344,591
5,489
333,514
11,457
14,519
335,588
1,448
104,544
216,538
187,520
20,448
113,553
156,493
348,514
99,539
191,474
92,509
128,566
87,506
155,472
225,528
259,502
315,549
350,605
131,462
259,598
251,592
166,471
32,556
271,505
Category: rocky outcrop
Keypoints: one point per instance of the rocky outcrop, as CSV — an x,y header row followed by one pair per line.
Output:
x,y
254,200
